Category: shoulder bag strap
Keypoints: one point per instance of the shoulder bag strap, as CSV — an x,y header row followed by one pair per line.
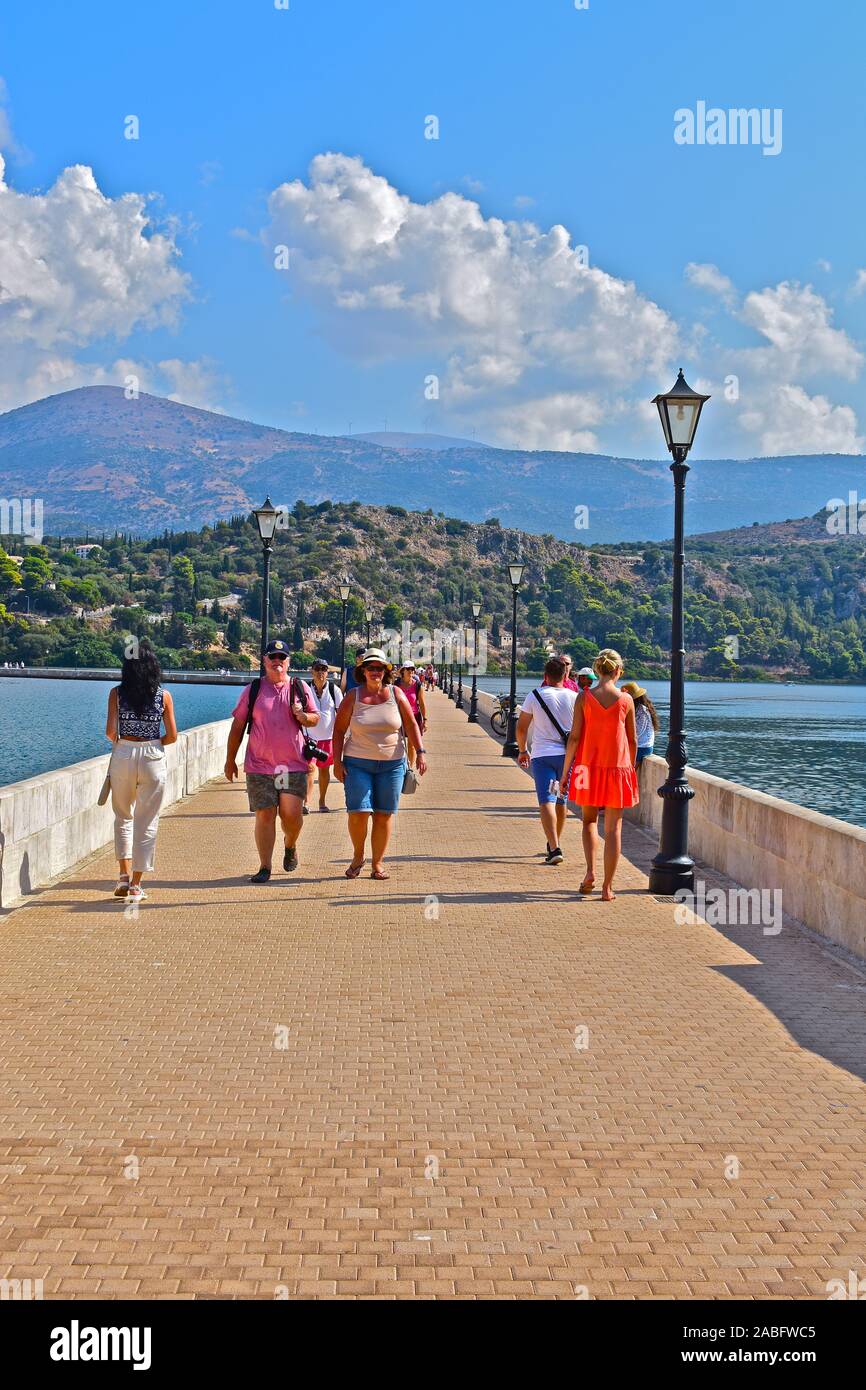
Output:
x,y
255,686
552,717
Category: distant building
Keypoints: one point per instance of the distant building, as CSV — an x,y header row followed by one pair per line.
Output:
x,y
83,551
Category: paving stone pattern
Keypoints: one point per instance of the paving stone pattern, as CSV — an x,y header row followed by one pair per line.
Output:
x,y
323,1088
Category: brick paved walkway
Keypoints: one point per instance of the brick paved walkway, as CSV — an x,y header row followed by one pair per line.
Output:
x,y
326,1090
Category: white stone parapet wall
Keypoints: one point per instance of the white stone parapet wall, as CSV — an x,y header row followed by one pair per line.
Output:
x,y
761,841
49,823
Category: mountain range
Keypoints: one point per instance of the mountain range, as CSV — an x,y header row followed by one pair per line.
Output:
x,y
101,461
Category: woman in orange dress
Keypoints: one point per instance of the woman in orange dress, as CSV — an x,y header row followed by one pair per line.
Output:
x,y
601,751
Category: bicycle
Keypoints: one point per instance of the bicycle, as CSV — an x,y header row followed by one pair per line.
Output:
x,y
499,717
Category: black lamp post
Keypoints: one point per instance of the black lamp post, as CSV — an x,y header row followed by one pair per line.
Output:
x,y
344,599
458,704
511,750
473,700
266,519
368,614
672,869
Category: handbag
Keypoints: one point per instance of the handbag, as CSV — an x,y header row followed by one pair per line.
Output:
x,y
410,781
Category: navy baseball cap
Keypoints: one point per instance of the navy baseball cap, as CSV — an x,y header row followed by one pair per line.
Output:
x,y
277,648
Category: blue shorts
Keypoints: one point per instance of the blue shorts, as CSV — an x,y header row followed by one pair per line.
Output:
x,y
643,753
545,771
372,785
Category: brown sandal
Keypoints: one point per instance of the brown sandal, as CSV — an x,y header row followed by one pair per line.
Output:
x,y
379,874
354,869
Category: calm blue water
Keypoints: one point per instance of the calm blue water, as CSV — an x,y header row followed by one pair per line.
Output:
x,y
48,723
804,743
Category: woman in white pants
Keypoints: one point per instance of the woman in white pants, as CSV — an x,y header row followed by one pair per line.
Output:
x,y
138,709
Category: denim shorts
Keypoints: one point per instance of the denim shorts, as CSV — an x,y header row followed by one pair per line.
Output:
x,y
544,771
643,753
371,785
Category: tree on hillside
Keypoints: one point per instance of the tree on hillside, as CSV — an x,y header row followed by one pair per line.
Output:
x,y
183,584
233,633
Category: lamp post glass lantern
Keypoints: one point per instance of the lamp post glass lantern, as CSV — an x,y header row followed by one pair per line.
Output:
x,y
511,750
473,699
344,592
368,615
672,868
266,517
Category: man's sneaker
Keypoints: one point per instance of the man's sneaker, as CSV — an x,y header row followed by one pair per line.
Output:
x,y
554,856
262,876
290,859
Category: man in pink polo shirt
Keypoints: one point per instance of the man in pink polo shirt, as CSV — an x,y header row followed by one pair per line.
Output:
x,y
275,767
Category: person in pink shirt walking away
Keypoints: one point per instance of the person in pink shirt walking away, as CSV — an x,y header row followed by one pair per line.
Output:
x,y
276,711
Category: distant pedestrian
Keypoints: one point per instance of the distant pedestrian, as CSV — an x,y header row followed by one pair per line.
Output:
x,y
585,678
374,726
138,709
549,711
602,749
645,719
327,697
275,711
429,677
409,682
347,679
569,682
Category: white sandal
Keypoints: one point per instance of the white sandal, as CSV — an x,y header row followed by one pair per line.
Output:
x,y
122,888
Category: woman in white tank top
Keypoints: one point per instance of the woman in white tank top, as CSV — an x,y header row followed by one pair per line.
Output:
x,y
373,728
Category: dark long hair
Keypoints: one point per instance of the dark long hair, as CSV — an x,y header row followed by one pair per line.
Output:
x,y
650,709
140,678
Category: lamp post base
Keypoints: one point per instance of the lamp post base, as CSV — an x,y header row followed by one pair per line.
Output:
x,y
473,709
673,870
510,749
671,876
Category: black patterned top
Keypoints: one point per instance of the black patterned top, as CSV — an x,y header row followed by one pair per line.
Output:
x,y
146,725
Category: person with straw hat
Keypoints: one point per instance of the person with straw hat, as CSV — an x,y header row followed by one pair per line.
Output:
x,y
645,719
374,726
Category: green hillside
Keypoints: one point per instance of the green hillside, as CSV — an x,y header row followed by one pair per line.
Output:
x,y
769,602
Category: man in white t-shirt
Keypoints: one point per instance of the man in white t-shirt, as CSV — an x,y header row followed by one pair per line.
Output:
x,y
549,705
327,697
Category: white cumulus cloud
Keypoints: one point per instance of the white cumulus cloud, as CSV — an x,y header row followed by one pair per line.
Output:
x,y
76,267
514,310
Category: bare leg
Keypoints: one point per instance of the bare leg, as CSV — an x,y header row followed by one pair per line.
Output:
x,y
266,834
590,844
549,819
308,794
324,779
124,867
291,817
612,849
561,813
358,831
382,825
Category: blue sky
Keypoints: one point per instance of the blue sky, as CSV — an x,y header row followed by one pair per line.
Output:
x,y
547,114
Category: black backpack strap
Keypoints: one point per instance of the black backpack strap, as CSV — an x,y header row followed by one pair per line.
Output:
x,y
551,716
255,687
332,686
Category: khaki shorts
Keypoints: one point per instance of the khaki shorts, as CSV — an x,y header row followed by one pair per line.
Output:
x,y
263,789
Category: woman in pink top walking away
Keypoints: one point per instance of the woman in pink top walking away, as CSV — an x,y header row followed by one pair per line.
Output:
x,y
603,747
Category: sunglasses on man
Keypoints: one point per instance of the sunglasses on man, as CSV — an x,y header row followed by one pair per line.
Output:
x,y
277,656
